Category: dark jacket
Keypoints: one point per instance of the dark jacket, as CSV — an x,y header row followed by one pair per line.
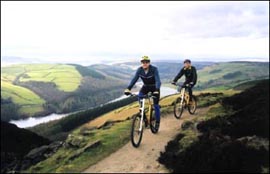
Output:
x,y
149,79
190,74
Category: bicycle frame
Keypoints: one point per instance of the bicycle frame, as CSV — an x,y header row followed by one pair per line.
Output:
x,y
142,112
183,95
143,117
183,102
142,109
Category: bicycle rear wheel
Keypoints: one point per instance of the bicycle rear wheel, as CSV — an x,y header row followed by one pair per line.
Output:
x,y
178,108
193,106
153,123
136,134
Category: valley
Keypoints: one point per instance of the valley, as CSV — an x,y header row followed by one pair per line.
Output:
x,y
91,138
33,90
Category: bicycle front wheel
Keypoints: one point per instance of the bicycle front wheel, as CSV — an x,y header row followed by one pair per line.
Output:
x,y
153,123
136,133
192,106
178,108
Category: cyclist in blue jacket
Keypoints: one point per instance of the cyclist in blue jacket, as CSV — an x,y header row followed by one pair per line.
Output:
x,y
151,83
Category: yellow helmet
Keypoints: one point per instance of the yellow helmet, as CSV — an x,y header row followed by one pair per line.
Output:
x,y
145,58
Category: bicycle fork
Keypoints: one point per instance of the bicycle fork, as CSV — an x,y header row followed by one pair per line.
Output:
x,y
182,97
142,114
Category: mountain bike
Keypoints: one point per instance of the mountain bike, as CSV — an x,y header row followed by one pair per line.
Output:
x,y
183,102
145,119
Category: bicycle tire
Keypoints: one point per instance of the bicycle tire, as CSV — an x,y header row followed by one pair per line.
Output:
x,y
136,144
153,127
178,108
192,111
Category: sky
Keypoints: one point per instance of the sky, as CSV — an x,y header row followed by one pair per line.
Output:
x,y
82,31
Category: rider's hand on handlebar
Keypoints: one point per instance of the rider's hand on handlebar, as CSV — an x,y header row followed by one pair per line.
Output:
x,y
127,92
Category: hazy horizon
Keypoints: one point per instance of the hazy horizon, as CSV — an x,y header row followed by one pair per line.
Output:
x,y
87,32
110,62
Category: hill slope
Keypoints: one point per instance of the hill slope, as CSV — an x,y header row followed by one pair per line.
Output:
x,y
39,89
15,143
211,76
234,137
227,75
98,138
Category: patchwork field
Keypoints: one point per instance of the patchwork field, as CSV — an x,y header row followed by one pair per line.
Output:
x,y
29,101
65,77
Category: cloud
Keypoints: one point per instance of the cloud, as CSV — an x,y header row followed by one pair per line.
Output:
x,y
223,19
113,30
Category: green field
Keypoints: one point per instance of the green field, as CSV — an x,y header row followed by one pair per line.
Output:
x,y
223,76
30,102
65,77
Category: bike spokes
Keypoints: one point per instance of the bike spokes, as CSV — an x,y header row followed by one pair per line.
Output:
x,y
136,132
192,106
178,108
153,123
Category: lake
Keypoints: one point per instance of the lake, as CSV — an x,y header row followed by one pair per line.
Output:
x,y
32,121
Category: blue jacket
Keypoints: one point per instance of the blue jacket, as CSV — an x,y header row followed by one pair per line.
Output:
x,y
149,79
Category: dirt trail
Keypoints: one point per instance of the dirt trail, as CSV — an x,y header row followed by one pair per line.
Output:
x,y
144,159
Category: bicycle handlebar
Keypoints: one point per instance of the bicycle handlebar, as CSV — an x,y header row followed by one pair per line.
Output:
x,y
149,95
181,85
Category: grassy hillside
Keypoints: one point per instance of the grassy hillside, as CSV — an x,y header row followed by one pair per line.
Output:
x,y
167,70
65,77
30,102
111,130
227,75
246,85
114,71
39,89
211,76
59,129
232,137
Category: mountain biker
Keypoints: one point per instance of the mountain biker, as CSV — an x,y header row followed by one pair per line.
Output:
x,y
191,76
150,77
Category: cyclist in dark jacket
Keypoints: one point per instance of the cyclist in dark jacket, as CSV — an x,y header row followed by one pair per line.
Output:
x,y
190,74
151,83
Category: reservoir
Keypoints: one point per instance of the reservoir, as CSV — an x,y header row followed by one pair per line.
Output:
x,y
32,121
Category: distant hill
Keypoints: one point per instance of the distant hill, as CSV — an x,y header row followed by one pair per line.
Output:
x,y
167,70
39,89
224,75
230,74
